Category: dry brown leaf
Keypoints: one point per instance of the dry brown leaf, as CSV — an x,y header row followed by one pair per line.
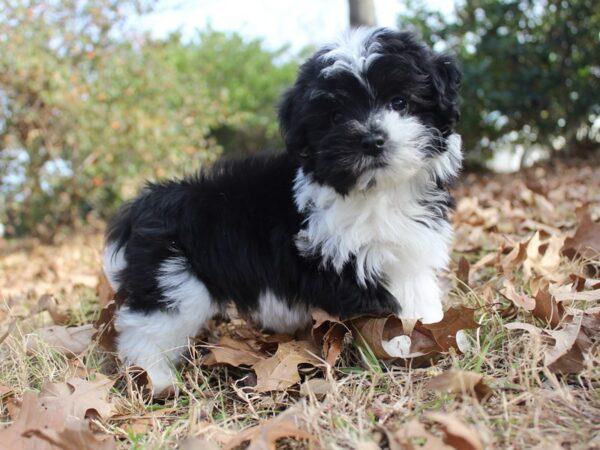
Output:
x,y
543,257
387,339
462,273
565,356
514,258
65,340
375,331
329,333
56,416
468,238
31,415
75,435
586,241
532,329
48,302
461,383
457,434
519,299
280,371
265,435
567,294
547,308
445,331
106,334
232,352
82,398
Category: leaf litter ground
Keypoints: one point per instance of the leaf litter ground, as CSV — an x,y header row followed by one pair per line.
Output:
x,y
515,363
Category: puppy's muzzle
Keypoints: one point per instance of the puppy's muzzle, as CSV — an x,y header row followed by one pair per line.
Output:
x,y
373,143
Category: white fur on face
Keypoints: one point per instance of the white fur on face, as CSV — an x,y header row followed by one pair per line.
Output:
x,y
156,340
113,263
387,227
407,140
276,315
354,52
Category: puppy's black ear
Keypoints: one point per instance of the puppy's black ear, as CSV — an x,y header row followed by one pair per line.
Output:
x,y
446,79
290,120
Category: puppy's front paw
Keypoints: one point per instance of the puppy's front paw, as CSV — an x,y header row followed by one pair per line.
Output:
x,y
163,378
420,298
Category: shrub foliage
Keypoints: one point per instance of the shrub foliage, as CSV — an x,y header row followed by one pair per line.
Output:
x,y
88,109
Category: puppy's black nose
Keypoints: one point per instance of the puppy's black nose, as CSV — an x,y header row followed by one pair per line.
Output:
x,y
373,143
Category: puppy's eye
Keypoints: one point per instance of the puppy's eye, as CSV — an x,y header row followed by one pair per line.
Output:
x,y
337,118
398,104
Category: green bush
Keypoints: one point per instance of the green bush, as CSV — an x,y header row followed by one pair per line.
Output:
x,y
531,72
88,111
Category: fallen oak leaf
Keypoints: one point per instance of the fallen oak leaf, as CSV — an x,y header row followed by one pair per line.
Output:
x,y
45,416
514,258
280,371
462,273
75,435
387,339
457,434
543,257
521,300
106,334
329,333
65,340
48,302
565,356
82,398
461,383
532,329
586,240
566,294
548,309
30,415
446,330
265,435
232,352
376,333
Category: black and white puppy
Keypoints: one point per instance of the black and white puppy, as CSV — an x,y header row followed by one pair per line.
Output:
x,y
352,218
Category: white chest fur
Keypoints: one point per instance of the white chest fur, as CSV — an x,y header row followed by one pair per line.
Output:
x,y
389,231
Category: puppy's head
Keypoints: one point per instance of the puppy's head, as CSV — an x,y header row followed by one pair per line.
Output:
x,y
377,107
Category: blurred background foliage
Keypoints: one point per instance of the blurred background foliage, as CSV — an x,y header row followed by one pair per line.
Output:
x,y
531,72
88,110
87,113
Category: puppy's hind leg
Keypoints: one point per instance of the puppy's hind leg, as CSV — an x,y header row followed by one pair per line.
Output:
x,y
156,340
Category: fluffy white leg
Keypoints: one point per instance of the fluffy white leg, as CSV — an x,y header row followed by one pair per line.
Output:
x,y
419,296
156,340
